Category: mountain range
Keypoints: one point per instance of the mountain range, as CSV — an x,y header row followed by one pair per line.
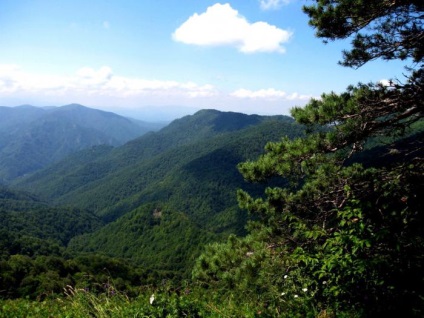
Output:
x,y
33,137
156,200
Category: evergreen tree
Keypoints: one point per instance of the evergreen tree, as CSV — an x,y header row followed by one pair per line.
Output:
x,y
347,235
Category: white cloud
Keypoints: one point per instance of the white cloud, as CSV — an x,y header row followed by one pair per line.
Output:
x,y
13,79
104,89
89,76
88,81
262,93
272,4
269,94
8,74
223,25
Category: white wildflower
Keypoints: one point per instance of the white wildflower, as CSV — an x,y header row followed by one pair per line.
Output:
x,y
285,276
283,293
324,282
305,290
295,296
152,299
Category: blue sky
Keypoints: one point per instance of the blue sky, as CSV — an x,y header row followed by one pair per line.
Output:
x,y
160,59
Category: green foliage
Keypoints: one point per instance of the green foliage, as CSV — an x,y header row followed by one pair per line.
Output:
x,y
151,236
110,302
27,223
256,279
350,235
44,277
381,29
23,308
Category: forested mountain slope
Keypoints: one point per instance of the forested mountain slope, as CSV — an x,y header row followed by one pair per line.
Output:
x,y
31,226
167,193
153,236
105,179
33,137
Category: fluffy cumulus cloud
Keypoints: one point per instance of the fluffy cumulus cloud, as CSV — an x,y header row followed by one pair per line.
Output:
x,y
223,25
272,4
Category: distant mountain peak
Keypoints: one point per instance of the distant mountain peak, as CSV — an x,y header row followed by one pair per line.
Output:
x,y
32,137
221,121
73,105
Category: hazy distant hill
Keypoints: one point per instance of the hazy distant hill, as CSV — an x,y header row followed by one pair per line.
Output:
x,y
33,137
167,193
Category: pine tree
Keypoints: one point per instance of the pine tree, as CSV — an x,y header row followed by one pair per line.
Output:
x,y
349,230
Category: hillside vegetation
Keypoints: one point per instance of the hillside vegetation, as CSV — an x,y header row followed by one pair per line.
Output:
x,y
164,166
187,171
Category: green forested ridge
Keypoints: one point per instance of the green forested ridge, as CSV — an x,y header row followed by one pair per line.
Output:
x,y
154,166
193,184
33,137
